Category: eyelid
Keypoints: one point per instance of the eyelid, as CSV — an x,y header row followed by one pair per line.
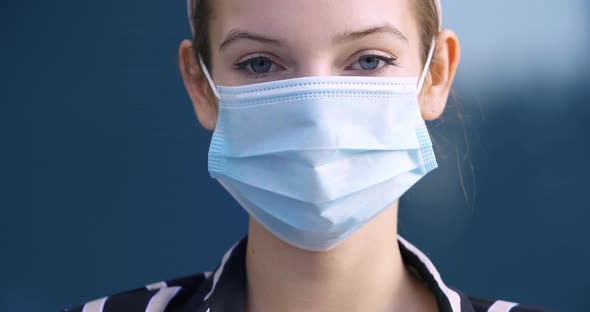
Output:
x,y
253,56
356,56
242,64
386,57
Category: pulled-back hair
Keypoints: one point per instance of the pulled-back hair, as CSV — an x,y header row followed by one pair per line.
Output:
x,y
425,12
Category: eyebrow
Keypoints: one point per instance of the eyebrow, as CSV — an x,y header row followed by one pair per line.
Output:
x,y
354,35
237,34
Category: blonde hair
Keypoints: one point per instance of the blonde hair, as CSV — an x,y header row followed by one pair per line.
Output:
x,y
426,12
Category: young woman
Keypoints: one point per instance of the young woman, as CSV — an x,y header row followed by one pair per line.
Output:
x,y
317,110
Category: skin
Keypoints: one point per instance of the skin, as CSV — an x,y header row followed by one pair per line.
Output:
x,y
323,38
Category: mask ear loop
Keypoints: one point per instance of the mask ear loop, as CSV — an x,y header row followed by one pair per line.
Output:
x,y
426,66
206,72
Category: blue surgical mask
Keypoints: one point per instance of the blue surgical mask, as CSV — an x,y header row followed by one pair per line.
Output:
x,y
313,159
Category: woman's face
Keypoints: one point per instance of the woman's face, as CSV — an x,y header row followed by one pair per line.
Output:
x,y
255,41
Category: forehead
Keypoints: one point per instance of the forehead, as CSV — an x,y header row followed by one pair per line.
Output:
x,y
308,21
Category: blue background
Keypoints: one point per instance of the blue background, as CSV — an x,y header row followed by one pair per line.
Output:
x,y
104,166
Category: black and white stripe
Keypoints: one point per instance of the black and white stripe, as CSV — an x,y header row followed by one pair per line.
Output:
x,y
223,290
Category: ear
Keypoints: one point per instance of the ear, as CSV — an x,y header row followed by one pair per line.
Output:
x,y
196,84
439,80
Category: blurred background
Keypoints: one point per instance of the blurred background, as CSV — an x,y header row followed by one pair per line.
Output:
x,y
104,174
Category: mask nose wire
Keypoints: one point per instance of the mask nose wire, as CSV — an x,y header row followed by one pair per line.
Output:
x,y
206,72
426,66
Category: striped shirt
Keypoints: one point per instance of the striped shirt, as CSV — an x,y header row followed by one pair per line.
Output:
x,y
224,289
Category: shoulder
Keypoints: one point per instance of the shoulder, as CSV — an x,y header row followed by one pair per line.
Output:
x,y
159,296
450,299
477,304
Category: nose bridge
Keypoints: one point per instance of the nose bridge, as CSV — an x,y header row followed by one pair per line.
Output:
x,y
315,63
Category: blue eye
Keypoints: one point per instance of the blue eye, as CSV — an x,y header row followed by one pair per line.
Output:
x,y
369,62
372,62
259,65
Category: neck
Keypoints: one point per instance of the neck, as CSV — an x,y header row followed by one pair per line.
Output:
x,y
363,273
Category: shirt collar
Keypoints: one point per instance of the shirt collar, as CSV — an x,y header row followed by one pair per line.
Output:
x,y
227,291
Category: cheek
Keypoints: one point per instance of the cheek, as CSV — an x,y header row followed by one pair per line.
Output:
x,y
226,77
410,64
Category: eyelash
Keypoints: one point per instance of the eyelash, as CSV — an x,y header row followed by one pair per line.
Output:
x,y
389,61
241,66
